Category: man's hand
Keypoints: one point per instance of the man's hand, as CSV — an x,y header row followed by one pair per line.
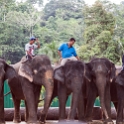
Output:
x,y
77,58
60,59
36,40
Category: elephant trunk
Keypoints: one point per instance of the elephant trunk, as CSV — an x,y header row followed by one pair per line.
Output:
x,y
101,85
49,85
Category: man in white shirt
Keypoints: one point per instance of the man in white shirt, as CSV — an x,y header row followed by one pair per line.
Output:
x,y
30,47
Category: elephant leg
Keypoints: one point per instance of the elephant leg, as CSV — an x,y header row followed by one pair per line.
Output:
x,y
62,96
28,89
115,105
80,107
17,115
26,112
120,112
90,103
2,118
108,99
85,104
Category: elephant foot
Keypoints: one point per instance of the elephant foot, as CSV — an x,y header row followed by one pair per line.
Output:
x,y
108,121
16,120
2,122
95,122
88,120
119,122
82,120
38,122
42,118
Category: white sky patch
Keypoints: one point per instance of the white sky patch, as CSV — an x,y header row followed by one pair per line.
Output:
x,y
89,2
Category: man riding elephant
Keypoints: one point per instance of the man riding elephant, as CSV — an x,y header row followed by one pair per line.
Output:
x,y
30,47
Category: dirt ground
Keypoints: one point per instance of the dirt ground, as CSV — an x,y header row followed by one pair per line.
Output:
x,y
67,122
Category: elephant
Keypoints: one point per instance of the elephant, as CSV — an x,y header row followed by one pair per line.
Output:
x,y
113,88
69,79
120,97
6,72
100,73
32,75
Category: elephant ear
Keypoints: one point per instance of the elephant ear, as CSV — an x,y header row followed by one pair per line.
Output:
x,y
26,71
10,72
87,72
112,72
59,74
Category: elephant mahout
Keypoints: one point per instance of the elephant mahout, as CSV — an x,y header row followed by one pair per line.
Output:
x,y
6,72
32,75
69,79
100,73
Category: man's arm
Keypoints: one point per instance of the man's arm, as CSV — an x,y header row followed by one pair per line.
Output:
x,y
60,54
60,49
75,54
38,44
28,53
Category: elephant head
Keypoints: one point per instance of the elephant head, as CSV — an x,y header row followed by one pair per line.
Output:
x,y
37,71
66,74
6,72
101,72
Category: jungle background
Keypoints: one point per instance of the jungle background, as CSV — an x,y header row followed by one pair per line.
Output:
x,y
98,29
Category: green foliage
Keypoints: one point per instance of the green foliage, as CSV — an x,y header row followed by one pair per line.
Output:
x,y
99,33
50,50
98,29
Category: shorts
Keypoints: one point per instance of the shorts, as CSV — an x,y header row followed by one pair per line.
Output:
x,y
64,60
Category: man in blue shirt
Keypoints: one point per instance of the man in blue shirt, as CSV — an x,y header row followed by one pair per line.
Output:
x,y
67,52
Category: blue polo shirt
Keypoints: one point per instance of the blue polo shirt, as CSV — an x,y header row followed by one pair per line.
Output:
x,y
67,51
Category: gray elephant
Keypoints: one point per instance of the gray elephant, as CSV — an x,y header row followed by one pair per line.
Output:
x,y
113,88
120,97
6,72
100,73
32,75
69,79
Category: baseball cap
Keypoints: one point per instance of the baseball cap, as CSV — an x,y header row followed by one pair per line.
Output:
x,y
32,38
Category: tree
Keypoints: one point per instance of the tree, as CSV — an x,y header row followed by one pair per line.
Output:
x,y
98,32
51,50
69,9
